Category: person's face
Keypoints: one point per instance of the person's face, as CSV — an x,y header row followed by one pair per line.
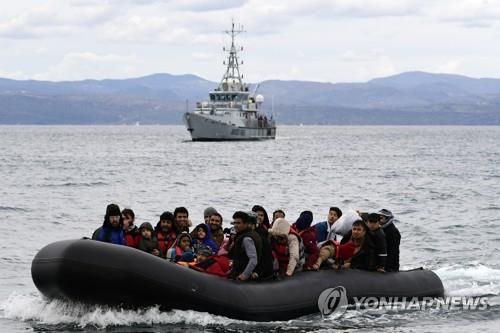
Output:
x,y
127,221
332,216
238,225
215,222
182,219
383,219
282,239
358,232
184,243
201,233
146,234
373,225
114,220
260,217
278,215
201,258
165,225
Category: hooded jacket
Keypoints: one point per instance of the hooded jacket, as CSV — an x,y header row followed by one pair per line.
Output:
x,y
146,245
393,239
107,233
281,227
207,240
175,253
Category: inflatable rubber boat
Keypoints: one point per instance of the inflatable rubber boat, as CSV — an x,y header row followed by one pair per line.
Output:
x,y
101,273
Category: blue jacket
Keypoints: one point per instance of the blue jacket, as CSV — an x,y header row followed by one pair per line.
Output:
x,y
321,231
111,235
208,241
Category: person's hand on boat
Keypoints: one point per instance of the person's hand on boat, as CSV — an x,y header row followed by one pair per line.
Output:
x,y
381,270
242,277
255,276
155,252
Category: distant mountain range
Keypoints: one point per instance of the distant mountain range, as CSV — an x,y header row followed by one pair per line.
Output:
x,y
412,98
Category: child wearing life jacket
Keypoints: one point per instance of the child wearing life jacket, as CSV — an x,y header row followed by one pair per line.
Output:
x,y
202,235
287,247
147,242
182,250
208,263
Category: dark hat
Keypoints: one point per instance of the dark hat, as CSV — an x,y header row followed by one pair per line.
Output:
x,y
167,216
113,210
386,213
373,217
209,211
147,226
204,250
252,217
304,221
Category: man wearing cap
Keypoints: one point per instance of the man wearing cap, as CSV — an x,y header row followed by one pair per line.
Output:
x,y
378,238
247,249
207,213
393,239
112,227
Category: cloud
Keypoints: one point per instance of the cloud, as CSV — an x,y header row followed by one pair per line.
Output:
x,y
149,29
78,65
208,5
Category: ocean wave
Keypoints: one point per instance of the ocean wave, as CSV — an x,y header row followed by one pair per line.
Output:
x,y
473,279
13,209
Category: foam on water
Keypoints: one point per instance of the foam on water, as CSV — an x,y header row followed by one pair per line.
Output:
x,y
34,308
473,279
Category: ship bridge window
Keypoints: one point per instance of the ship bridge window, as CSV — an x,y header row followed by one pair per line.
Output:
x,y
212,97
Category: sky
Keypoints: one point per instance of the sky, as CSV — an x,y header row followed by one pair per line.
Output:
x,y
314,40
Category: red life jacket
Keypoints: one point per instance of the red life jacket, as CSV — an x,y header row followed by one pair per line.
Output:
x,y
281,252
215,265
165,243
132,239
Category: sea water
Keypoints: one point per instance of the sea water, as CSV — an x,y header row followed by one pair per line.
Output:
x,y
442,184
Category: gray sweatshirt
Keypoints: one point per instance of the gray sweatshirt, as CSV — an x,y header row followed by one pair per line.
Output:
x,y
251,252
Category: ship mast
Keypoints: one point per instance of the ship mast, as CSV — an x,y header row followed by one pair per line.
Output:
x,y
232,79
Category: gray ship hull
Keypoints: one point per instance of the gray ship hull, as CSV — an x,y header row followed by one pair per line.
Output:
x,y
210,128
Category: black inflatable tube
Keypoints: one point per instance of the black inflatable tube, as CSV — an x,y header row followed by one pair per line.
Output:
x,y
100,273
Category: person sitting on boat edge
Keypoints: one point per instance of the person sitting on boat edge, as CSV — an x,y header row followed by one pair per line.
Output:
x,y
393,239
182,250
287,247
209,211
201,235
265,269
181,220
247,250
308,235
165,233
147,242
262,217
323,229
112,227
130,230
378,238
209,263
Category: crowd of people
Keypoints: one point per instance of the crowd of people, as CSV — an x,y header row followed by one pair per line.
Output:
x,y
255,248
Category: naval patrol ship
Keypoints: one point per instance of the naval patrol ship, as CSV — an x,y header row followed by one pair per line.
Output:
x,y
232,112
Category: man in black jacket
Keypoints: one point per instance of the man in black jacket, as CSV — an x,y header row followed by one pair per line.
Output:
x,y
247,250
393,239
378,238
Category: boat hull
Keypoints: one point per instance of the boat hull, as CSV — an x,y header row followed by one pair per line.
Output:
x,y
101,273
206,128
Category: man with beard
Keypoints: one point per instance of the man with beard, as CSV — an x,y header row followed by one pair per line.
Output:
x,y
165,233
393,238
132,235
215,223
112,227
